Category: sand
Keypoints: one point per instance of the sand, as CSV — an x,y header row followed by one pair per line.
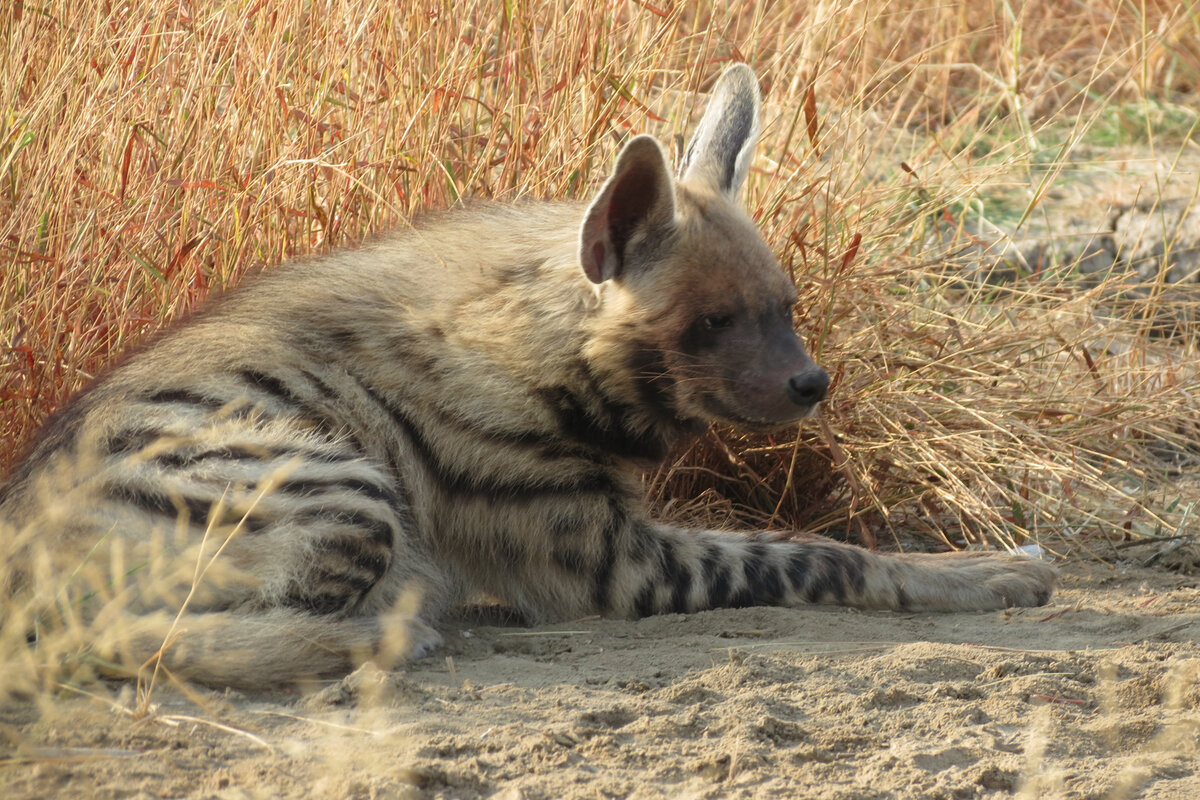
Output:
x,y
1094,696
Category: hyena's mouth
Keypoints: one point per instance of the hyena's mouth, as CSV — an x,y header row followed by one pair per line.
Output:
x,y
720,412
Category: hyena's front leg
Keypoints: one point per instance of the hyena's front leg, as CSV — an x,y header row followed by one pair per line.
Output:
x,y
668,569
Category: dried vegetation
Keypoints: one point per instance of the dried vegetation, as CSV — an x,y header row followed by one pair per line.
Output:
x,y
152,154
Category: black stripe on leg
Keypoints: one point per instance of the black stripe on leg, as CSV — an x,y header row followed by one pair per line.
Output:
x,y
643,604
678,576
159,503
763,580
718,576
819,571
355,583
855,565
326,391
365,555
673,574
131,440
272,386
306,487
314,603
198,509
618,521
800,569
377,531
180,459
604,569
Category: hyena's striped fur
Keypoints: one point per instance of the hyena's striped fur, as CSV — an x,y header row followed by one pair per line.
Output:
x,y
374,436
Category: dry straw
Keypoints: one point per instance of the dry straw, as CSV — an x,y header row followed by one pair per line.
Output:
x,y
153,153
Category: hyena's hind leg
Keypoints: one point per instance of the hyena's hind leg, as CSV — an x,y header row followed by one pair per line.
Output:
x,y
253,622
283,553
258,650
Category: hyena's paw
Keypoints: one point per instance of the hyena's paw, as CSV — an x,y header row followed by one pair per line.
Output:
x,y
977,581
1019,580
422,639
404,638
1009,580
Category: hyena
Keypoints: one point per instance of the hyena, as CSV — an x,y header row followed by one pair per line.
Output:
x,y
350,446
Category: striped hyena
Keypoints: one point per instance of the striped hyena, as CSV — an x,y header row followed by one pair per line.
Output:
x,y
351,445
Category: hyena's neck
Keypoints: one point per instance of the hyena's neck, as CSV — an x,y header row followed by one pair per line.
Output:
x,y
630,389
621,413
505,362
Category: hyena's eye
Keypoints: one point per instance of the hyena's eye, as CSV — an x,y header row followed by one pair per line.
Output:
x,y
716,322
788,310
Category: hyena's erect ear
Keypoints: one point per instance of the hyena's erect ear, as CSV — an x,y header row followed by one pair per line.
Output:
x,y
637,201
719,154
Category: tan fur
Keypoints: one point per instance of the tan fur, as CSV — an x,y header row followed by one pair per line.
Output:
x,y
459,411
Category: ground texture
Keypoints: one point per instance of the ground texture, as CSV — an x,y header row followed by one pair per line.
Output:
x,y
1096,695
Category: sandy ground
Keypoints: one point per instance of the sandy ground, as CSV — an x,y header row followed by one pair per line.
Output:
x,y
1094,696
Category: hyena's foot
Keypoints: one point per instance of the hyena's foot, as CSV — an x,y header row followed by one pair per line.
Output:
x,y
970,581
404,637
422,639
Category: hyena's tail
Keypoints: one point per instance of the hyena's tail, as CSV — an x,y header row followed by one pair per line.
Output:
x,y
256,650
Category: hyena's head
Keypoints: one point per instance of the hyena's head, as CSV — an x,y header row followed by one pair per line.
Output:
x,y
696,310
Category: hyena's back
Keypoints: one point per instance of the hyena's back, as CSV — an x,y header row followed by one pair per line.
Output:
x,y
347,446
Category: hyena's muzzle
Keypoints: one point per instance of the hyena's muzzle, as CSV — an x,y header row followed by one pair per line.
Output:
x,y
787,384
767,378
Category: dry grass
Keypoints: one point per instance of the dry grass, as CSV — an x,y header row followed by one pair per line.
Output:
x,y
153,153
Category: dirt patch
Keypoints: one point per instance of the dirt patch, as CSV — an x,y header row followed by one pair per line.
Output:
x,y
1097,695
1133,212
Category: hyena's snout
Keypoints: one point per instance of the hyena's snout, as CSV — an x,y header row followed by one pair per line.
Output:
x,y
798,382
809,387
776,383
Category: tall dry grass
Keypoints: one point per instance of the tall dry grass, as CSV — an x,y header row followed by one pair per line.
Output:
x,y
153,153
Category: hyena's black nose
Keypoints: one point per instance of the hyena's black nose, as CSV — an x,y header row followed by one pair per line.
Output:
x,y
808,388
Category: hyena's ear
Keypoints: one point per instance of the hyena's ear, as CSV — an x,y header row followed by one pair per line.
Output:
x,y
637,201
719,154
